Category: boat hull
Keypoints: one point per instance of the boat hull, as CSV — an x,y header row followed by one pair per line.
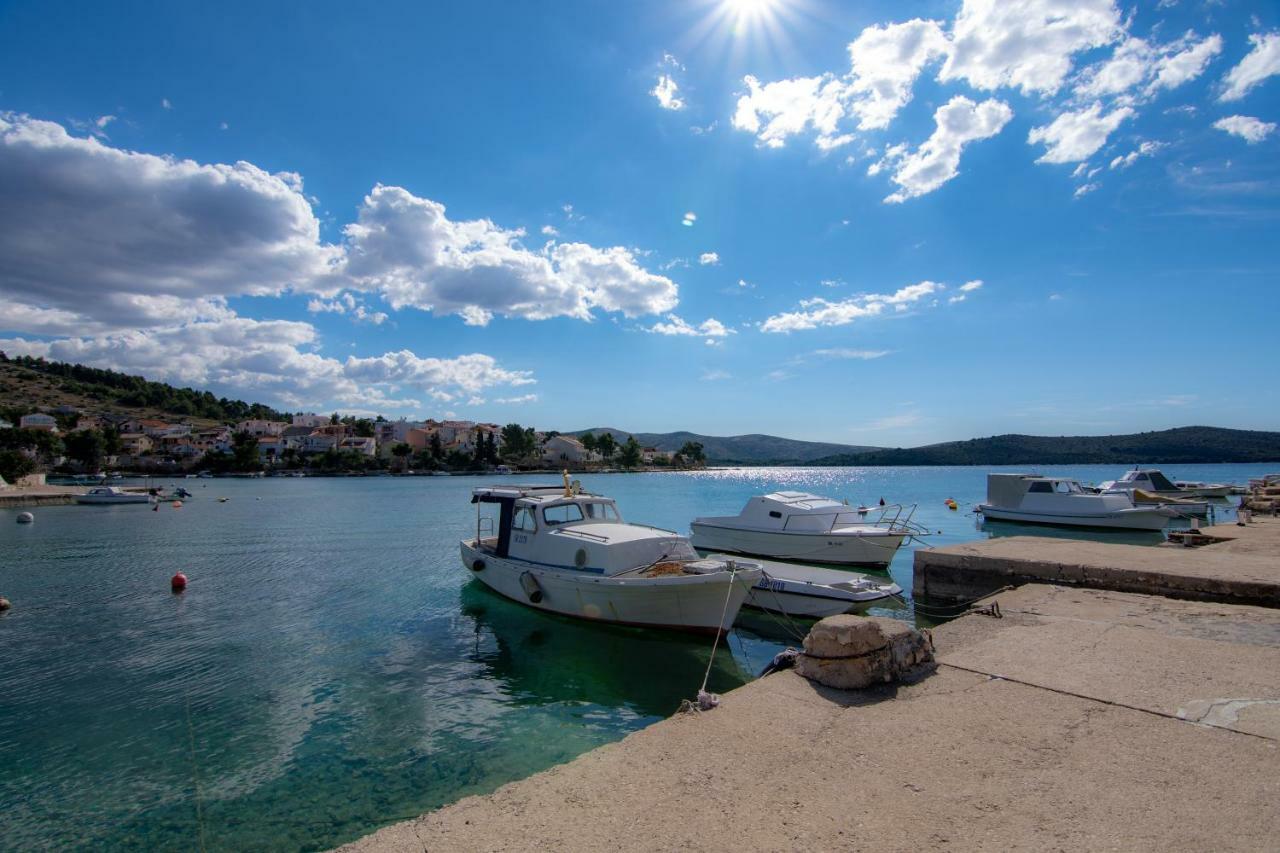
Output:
x,y
113,499
830,548
704,603
814,593
1138,519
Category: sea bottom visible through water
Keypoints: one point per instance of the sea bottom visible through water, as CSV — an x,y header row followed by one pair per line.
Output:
x,y
332,667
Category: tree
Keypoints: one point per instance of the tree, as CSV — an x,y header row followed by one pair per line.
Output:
x,y
607,445
364,428
111,440
691,454
517,442
86,447
14,465
631,455
400,452
334,420
436,447
590,443
244,452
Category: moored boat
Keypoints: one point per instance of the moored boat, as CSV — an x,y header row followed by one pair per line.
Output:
x,y
1154,482
1061,501
813,592
802,526
112,495
570,552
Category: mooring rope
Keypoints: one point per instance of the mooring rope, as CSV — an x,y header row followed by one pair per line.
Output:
x,y
195,773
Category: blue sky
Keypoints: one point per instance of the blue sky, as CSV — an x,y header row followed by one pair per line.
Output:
x,y
907,226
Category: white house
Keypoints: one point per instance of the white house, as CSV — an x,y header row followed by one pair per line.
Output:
x,y
310,419
48,423
650,454
564,449
259,428
366,445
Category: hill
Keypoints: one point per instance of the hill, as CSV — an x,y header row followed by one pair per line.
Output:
x,y
1184,444
754,449
27,383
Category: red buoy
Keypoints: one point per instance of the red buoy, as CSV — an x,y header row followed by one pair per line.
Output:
x,y
178,583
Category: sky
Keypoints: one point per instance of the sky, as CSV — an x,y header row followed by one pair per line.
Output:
x,y
867,223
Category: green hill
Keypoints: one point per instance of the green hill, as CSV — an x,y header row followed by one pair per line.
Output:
x,y
1184,444
754,449
27,383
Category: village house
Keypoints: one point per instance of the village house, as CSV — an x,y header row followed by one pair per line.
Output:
x,y
270,448
649,455
259,428
566,450
135,443
311,419
364,445
38,421
294,436
217,440
318,442
85,422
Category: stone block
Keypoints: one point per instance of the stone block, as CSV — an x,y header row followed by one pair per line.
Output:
x,y
850,652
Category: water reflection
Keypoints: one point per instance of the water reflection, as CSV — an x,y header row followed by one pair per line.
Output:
x,y
544,658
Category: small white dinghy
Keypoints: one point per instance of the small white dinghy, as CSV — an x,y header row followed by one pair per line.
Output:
x,y
812,592
570,552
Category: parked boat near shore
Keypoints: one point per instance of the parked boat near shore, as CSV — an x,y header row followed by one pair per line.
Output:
x,y
813,592
1062,501
570,552
803,526
112,495
1154,482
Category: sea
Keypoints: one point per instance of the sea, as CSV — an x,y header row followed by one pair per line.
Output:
x,y
332,667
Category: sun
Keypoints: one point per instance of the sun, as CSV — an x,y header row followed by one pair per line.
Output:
x,y
746,15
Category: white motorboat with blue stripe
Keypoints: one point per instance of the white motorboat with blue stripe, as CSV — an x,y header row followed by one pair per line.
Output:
x,y
567,551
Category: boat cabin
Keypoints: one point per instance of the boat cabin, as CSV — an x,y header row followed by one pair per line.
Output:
x,y
569,529
796,512
1034,492
1149,481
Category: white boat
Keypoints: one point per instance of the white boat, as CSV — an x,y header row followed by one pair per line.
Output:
x,y
1061,501
112,495
1154,482
570,552
801,526
813,592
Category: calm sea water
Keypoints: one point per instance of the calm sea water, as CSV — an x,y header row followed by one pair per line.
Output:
x,y
332,666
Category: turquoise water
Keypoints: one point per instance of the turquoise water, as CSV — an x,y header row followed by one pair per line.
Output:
x,y
332,667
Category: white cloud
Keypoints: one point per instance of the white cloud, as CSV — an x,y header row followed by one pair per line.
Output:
x,y
689,219
138,234
965,289
164,102
407,249
709,329
958,122
268,360
709,259
884,64
785,108
1075,136
1085,189
550,231
1261,62
667,93
1137,63
516,401
823,312
1146,149
1248,128
1027,44
716,375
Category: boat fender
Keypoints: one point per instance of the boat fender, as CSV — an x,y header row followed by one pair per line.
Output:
x,y
477,565
531,587
580,558
784,659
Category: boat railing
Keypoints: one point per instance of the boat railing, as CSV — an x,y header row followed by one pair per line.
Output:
x,y
889,516
577,531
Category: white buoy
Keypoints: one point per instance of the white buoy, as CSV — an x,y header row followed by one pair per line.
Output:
x,y
25,518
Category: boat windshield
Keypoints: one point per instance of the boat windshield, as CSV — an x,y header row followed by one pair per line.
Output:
x,y
1067,487
600,511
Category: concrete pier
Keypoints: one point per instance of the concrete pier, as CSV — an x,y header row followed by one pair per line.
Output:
x,y
1083,718
1242,567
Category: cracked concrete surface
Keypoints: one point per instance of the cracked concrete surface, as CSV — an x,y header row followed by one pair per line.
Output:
x,y
1083,750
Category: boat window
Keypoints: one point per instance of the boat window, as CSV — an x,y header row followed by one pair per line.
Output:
x,y
524,520
562,514
602,511
1040,486
773,513
1062,487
